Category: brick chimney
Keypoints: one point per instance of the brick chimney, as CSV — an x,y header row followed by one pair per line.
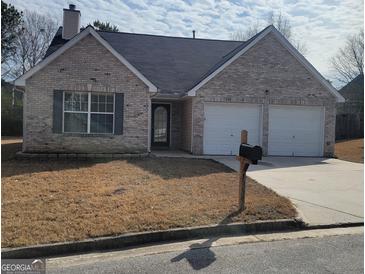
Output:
x,y
71,22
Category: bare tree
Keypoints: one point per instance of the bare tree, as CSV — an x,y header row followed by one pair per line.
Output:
x,y
349,61
281,23
243,35
32,42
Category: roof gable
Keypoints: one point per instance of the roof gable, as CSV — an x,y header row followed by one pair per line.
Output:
x,y
89,30
354,90
253,41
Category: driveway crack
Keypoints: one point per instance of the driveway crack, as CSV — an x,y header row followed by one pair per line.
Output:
x,y
326,207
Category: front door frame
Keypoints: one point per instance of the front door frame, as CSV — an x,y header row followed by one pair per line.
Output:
x,y
168,107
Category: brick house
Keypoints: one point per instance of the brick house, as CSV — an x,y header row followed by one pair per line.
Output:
x,y
112,92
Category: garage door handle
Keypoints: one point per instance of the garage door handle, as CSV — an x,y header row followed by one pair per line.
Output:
x,y
232,135
293,137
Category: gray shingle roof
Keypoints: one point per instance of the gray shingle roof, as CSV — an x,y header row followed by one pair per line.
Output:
x,y
173,64
354,91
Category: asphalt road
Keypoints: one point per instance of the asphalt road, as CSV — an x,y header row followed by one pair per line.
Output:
x,y
331,254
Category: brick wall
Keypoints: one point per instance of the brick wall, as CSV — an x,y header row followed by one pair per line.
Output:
x,y
186,124
72,71
266,66
175,142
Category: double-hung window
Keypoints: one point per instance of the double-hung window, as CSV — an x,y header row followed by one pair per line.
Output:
x,y
86,112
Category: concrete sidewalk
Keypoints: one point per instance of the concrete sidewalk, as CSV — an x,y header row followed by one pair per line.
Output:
x,y
325,191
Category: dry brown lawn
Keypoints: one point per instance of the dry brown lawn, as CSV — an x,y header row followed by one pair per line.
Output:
x,y
58,200
350,150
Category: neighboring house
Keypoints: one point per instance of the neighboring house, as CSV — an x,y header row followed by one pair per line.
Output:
x,y
112,92
350,115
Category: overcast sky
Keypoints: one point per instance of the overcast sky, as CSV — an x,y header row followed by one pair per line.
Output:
x,y
322,25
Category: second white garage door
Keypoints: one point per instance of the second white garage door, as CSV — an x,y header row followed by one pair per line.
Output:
x,y
223,124
296,131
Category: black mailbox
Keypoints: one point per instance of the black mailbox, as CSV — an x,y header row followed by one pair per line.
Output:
x,y
253,153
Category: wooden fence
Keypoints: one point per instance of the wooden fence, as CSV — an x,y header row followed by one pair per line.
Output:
x,y
349,125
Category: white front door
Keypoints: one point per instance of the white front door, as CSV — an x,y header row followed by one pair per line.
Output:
x,y
223,124
296,131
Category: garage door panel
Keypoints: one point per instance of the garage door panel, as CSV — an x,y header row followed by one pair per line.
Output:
x,y
223,124
295,131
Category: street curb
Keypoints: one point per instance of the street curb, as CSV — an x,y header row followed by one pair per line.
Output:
x,y
338,225
134,239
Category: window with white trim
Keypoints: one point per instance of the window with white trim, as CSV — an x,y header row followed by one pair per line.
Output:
x,y
86,112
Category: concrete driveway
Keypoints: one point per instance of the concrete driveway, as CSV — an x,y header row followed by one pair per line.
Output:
x,y
325,191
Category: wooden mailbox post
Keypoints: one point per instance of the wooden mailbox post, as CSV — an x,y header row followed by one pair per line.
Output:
x,y
244,164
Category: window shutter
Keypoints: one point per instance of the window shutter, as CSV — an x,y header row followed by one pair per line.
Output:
x,y
57,111
118,115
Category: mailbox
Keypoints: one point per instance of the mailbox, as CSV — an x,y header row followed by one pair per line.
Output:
x,y
253,153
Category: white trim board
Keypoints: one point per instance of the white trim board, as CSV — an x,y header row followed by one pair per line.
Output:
x,y
289,47
89,30
308,66
192,92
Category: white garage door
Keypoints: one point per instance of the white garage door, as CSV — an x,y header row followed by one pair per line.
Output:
x,y
223,124
296,131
